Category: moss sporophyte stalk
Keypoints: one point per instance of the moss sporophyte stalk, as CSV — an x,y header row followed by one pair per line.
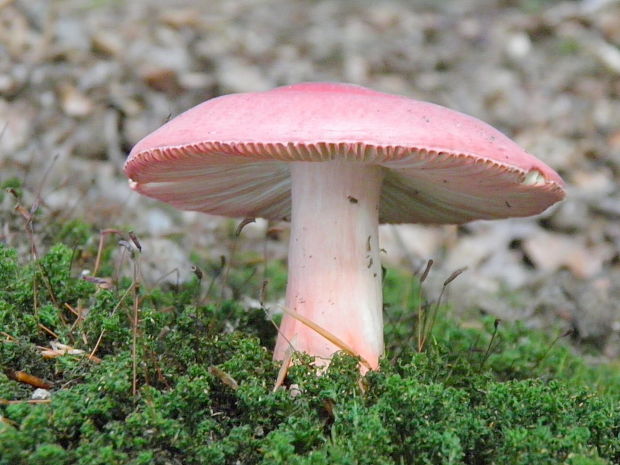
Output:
x,y
204,379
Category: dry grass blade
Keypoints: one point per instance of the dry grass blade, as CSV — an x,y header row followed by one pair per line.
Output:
x,y
58,350
327,335
224,377
282,372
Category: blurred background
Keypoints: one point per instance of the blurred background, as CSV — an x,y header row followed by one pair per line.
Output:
x,y
81,81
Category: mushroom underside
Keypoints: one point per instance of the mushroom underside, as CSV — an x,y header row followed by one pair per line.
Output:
x,y
413,191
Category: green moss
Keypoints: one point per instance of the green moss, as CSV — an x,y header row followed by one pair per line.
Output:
x,y
204,379
73,232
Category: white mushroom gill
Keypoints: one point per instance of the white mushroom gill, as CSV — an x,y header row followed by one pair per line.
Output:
x,y
534,178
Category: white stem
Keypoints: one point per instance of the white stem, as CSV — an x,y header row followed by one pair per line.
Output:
x,y
334,265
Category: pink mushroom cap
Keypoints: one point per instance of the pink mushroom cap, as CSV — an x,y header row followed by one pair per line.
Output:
x,y
228,156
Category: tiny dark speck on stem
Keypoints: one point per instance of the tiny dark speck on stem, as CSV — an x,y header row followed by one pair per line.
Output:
x,y
352,199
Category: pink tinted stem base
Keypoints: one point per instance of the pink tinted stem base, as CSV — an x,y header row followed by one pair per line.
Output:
x,y
334,265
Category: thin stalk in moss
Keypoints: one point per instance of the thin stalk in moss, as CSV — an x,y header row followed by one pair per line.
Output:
x,y
430,323
233,250
102,235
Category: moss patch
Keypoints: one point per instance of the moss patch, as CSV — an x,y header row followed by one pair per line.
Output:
x,y
203,379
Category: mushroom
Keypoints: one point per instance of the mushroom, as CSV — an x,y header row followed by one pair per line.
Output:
x,y
337,160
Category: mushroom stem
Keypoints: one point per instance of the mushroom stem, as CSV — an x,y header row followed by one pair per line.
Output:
x,y
334,264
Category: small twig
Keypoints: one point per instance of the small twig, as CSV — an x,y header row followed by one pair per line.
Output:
x,y
136,322
79,318
47,330
102,234
29,401
283,371
8,337
136,312
72,310
29,379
